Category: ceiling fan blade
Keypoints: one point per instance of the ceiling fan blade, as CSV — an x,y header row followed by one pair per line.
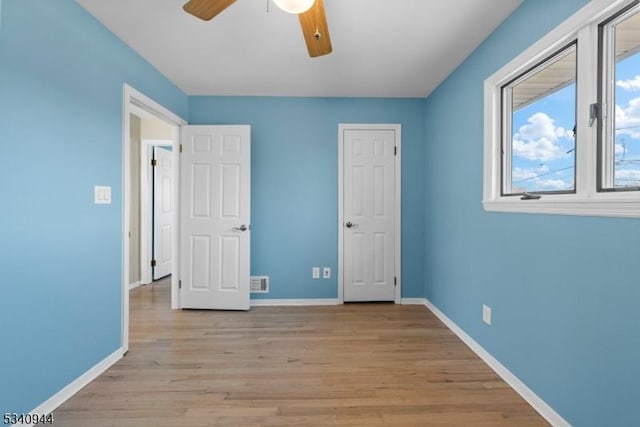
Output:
x,y
206,9
315,30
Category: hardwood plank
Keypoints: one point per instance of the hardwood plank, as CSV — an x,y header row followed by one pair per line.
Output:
x,y
351,365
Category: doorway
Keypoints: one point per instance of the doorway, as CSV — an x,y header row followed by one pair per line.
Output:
x,y
156,209
369,213
151,198
136,108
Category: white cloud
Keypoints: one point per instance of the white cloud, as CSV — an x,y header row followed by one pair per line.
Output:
x,y
539,139
540,149
538,184
628,119
629,84
520,174
629,176
540,126
528,179
553,184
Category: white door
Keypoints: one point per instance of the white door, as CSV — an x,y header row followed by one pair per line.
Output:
x,y
368,214
162,217
215,217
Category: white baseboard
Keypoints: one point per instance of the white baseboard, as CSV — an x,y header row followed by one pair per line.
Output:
x,y
134,285
527,394
413,301
294,302
320,301
76,385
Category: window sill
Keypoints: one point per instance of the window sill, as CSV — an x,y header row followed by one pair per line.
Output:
x,y
623,207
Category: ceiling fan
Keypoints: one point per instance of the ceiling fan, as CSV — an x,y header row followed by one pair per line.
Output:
x,y
310,13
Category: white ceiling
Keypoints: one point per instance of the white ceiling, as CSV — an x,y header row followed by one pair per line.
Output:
x,y
381,48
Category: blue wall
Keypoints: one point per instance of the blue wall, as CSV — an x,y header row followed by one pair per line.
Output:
x,y
564,290
294,179
61,79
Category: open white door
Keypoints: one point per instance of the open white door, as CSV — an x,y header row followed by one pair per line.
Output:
x,y
369,214
162,211
215,217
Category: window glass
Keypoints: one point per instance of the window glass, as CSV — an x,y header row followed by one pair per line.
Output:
x,y
625,149
539,148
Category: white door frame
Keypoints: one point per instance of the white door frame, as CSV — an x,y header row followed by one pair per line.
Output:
x,y
134,100
342,127
146,173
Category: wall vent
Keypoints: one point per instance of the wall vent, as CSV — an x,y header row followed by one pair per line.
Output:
x,y
259,284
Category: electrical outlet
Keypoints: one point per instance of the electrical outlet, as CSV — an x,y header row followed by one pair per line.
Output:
x,y
326,273
315,272
486,314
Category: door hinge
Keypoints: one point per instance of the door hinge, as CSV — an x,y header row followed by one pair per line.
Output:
x,y
154,162
395,150
181,148
153,263
179,284
395,281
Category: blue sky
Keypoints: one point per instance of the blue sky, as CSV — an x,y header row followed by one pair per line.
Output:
x,y
628,121
543,143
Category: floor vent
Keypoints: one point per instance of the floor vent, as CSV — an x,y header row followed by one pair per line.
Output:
x,y
259,284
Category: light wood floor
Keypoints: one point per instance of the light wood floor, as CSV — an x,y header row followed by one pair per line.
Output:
x,y
357,364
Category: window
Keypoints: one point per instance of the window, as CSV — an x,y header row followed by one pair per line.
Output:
x,y
539,116
619,143
562,120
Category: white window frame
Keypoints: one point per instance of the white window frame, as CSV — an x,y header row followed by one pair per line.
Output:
x,y
508,113
587,200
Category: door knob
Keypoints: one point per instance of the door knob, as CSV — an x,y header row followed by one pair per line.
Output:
x,y
349,224
241,228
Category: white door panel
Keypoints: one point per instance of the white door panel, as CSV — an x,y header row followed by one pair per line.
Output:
x,y
215,217
369,215
230,263
162,212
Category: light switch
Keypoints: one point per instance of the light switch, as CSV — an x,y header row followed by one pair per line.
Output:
x,y
486,314
102,195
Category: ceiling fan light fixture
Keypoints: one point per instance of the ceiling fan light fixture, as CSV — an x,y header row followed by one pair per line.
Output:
x,y
294,6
